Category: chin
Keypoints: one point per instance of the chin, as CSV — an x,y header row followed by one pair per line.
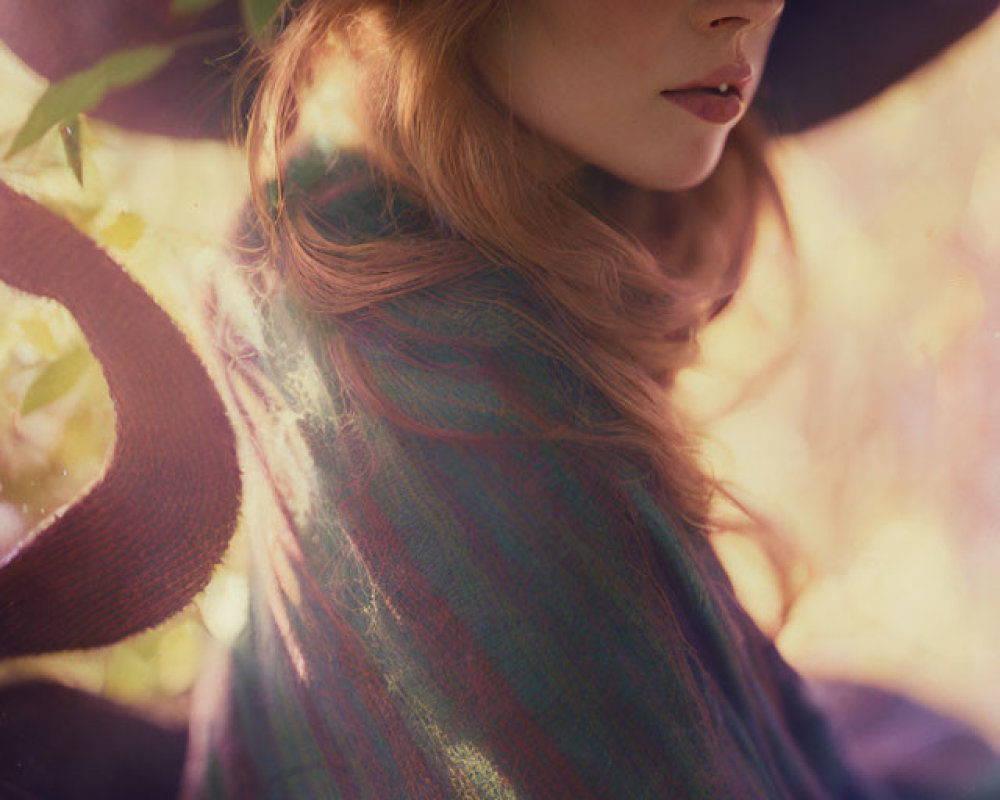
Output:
x,y
675,179
689,181
676,174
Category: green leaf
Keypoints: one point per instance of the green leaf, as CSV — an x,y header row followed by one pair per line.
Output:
x,y
70,132
84,90
129,67
257,14
76,93
56,379
39,335
189,8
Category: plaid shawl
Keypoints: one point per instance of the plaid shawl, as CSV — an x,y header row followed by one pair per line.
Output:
x,y
447,604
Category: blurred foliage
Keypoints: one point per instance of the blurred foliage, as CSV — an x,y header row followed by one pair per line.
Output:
x,y
56,379
257,14
184,8
55,415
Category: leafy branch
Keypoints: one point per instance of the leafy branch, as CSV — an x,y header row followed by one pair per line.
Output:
x,y
63,101
84,90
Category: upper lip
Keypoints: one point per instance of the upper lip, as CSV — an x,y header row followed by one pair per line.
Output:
x,y
738,75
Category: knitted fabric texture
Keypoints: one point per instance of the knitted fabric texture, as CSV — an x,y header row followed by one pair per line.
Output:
x,y
449,604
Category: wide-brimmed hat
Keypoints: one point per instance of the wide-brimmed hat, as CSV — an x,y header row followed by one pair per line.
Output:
x,y
828,56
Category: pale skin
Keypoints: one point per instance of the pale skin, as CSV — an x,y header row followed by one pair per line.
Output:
x,y
588,76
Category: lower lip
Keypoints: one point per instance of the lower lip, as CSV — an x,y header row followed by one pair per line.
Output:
x,y
711,108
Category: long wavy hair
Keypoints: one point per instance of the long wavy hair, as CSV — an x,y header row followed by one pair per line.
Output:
x,y
630,274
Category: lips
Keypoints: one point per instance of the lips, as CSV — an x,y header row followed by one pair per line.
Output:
x,y
736,77
716,97
707,105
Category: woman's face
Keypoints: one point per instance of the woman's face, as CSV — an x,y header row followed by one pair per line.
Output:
x,y
599,78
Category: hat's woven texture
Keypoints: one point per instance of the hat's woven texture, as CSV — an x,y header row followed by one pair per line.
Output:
x,y
145,539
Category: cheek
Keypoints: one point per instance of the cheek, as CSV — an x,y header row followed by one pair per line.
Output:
x,y
577,60
587,76
568,20
598,32
541,55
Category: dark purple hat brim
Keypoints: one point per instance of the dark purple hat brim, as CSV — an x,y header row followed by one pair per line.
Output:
x,y
145,539
828,56
831,56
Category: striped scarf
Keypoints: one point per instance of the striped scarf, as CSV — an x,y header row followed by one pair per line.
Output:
x,y
449,604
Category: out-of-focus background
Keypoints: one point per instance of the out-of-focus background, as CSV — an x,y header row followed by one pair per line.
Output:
x,y
851,396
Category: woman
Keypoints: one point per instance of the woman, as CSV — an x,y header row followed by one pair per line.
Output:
x,y
491,576
486,570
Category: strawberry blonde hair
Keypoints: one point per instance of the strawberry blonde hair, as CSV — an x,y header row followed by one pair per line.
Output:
x,y
630,274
